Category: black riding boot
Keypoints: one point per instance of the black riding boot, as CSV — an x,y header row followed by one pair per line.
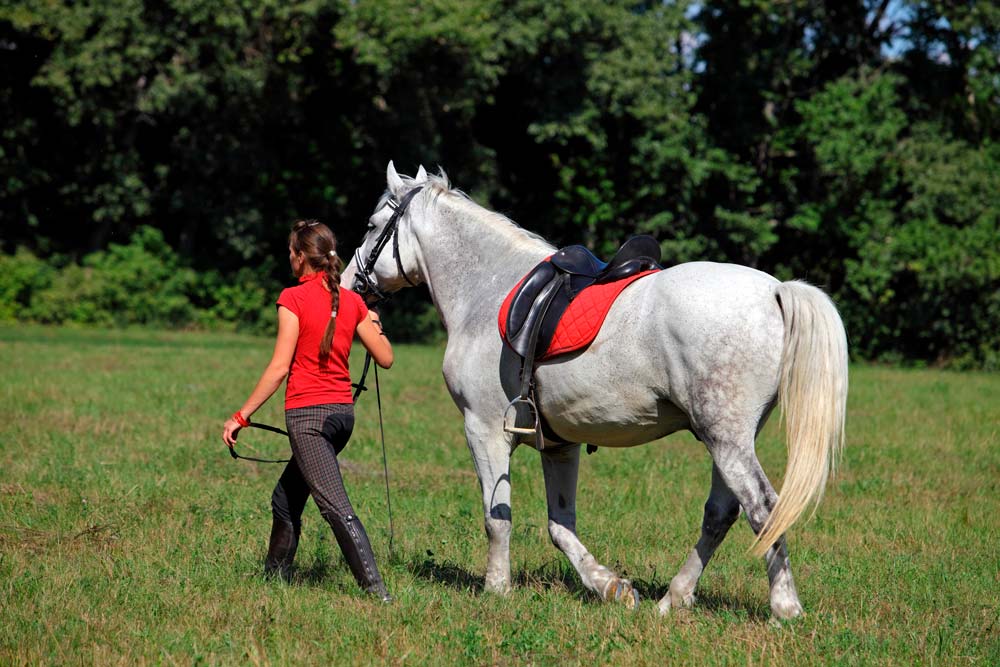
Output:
x,y
353,541
281,550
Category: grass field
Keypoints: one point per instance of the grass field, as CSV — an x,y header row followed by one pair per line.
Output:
x,y
128,535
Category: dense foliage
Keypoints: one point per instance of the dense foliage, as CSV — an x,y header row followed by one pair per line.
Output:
x,y
141,283
852,144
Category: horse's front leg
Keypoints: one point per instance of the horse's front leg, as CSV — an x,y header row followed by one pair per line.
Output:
x,y
561,468
491,452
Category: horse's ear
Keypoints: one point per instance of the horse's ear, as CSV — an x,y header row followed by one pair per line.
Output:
x,y
421,175
392,179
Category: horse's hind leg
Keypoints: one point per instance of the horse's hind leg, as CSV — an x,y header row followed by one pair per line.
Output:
x,y
561,467
721,511
740,470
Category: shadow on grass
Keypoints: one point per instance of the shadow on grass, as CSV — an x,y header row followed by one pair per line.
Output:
x,y
708,601
457,577
547,577
448,574
550,576
554,576
312,575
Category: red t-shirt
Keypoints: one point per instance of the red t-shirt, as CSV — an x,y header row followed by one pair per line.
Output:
x,y
309,383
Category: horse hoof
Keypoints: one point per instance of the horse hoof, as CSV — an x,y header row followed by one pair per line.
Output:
x,y
499,589
682,601
622,592
664,605
786,611
672,601
498,586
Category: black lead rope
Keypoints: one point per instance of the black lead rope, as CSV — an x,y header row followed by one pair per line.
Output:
x,y
364,286
359,387
263,427
385,461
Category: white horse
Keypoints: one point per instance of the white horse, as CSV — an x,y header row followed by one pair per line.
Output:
x,y
707,347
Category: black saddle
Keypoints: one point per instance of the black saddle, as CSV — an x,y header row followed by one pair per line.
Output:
x,y
548,289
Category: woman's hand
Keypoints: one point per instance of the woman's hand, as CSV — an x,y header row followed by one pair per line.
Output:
x,y
229,431
270,379
374,339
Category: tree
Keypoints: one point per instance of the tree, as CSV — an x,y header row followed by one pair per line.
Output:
x,y
852,144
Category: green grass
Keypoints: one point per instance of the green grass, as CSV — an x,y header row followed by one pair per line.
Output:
x,y
128,535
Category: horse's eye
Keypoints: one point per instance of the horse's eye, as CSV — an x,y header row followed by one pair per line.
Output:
x,y
371,226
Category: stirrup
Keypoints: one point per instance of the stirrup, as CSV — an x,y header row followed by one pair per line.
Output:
x,y
510,423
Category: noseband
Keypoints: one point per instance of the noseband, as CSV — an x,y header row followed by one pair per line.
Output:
x,y
363,282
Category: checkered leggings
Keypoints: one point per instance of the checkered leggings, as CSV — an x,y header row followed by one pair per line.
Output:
x,y
317,434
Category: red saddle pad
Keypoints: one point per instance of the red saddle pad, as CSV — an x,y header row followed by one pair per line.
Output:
x,y
583,317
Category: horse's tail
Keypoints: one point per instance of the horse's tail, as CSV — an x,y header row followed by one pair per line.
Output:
x,y
813,398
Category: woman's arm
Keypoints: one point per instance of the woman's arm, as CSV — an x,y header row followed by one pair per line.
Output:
x,y
273,375
374,339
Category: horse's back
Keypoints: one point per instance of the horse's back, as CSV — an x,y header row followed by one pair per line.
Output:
x,y
709,289
701,302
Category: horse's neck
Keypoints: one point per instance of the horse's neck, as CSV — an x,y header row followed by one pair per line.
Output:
x,y
471,259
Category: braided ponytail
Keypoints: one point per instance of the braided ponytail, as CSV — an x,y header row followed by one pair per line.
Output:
x,y
333,267
315,240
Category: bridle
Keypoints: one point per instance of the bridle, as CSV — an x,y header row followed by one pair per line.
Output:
x,y
364,284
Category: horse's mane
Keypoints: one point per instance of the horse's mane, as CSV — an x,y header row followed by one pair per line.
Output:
x,y
439,186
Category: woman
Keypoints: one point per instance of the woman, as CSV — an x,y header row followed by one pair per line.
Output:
x,y
317,320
